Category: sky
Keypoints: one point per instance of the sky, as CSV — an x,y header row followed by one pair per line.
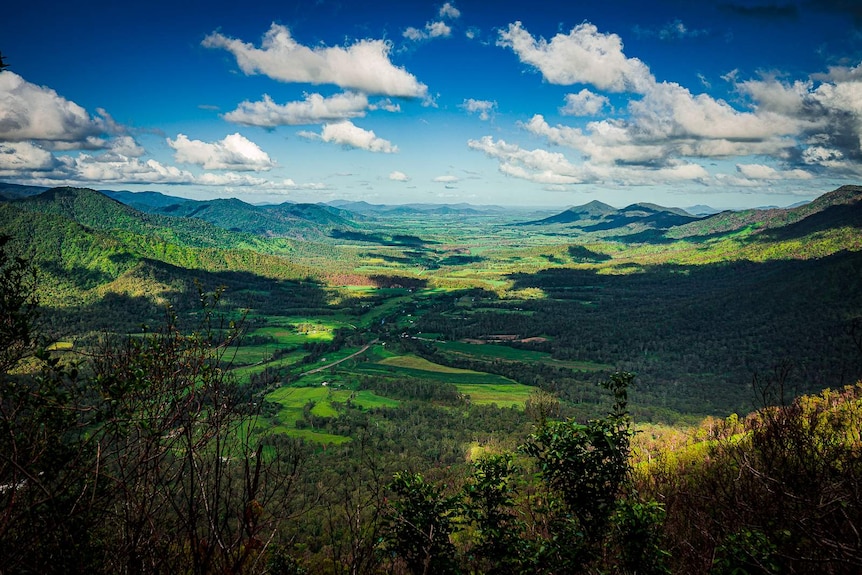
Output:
x,y
728,103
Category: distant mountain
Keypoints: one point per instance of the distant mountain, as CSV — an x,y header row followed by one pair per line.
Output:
x,y
362,207
593,211
143,200
841,207
701,210
14,191
596,216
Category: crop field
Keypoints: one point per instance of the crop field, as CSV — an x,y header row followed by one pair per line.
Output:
x,y
414,362
501,395
323,400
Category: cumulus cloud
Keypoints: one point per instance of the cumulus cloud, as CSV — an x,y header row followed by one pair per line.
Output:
x,y
234,152
827,115
19,156
31,112
437,28
553,168
584,103
538,166
397,176
583,56
448,10
363,66
314,109
350,135
485,108
109,168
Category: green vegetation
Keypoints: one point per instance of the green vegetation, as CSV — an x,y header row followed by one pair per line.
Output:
x,y
402,392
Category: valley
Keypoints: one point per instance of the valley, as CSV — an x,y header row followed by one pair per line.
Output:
x,y
494,302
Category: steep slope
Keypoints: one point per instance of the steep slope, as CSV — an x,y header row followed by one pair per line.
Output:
x,y
591,212
78,263
838,208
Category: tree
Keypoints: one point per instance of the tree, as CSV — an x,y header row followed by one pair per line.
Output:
x,y
46,476
190,486
18,307
421,521
490,505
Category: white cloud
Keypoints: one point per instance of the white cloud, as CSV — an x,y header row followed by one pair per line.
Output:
x,y
584,103
363,66
448,10
414,34
31,112
314,109
234,152
432,30
397,176
553,168
669,123
482,107
538,166
438,29
584,56
348,134
763,172
19,156
826,115
446,179
386,105
109,168
126,146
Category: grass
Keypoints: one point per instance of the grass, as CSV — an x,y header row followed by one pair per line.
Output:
x,y
502,395
324,399
415,362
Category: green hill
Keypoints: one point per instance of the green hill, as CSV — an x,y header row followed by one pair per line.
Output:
x,y
834,209
95,210
300,221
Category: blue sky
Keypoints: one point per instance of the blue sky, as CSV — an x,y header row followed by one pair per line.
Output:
x,y
732,103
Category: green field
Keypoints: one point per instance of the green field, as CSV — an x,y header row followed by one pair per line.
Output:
x,y
501,395
324,400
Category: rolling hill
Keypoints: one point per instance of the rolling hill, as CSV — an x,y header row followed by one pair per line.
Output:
x,y
286,220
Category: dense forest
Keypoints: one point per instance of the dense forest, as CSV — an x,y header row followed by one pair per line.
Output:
x,y
177,396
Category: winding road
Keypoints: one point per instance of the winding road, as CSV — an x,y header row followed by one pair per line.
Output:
x,y
351,356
